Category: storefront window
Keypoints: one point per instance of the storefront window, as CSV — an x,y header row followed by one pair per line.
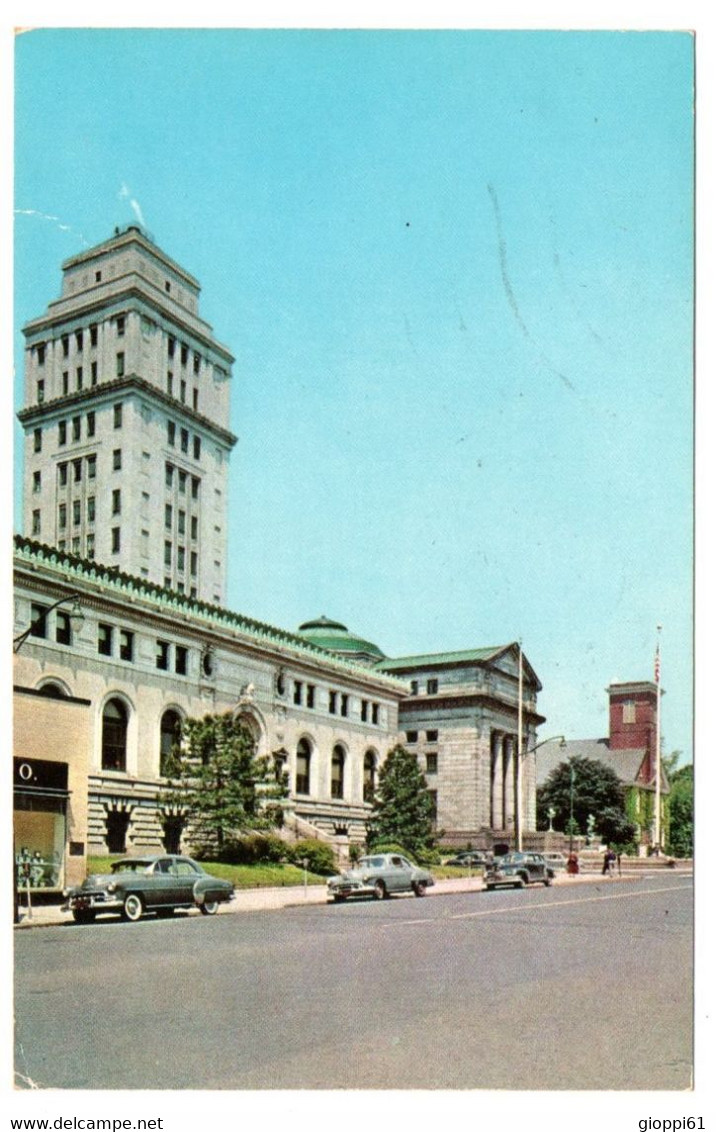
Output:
x,y
40,825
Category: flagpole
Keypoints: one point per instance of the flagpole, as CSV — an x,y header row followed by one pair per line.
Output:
x,y
518,799
657,679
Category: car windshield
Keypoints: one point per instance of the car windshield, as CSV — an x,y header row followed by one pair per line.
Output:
x,y
132,866
371,863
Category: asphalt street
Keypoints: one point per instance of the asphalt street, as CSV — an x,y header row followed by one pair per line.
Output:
x,y
558,988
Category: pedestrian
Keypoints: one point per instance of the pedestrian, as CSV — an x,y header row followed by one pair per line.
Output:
x,y
609,859
572,864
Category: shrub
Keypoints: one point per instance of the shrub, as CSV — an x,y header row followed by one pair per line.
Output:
x,y
391,847
429,857
317,854
253,849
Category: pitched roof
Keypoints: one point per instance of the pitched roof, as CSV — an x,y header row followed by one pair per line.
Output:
x,y
625,763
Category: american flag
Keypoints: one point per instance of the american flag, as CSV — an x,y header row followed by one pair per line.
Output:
x,y
657,665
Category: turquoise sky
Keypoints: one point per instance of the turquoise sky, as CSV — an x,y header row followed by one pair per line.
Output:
x,y
456,271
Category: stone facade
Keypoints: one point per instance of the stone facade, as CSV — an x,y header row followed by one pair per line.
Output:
x,y
126,420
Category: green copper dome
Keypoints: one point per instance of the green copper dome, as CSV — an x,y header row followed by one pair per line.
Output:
x,y
334,637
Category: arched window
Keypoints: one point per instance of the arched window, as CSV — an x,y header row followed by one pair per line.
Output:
x,y
169,735
114,736
369,765
338,762
53,690
303,767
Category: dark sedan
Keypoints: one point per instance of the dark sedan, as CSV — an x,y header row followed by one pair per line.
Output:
x,y
148,884
517,870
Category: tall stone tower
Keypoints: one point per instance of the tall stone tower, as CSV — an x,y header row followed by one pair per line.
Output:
x,y
126,419
632,718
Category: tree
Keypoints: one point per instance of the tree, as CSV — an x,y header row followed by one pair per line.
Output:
x,y
403,808
596,790
681,812
221,785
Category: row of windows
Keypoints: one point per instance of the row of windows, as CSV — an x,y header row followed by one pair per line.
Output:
x,y
75,428
179,558
303,783
40,350
183,353
90,510
414,736
431,687
183,440
181,517
174,475
338,702
182,391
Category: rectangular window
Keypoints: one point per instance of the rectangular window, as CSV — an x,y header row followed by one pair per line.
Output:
x,y
181,522
182,482
76,512
40,392
65,345
104,639
91,421
163,655
62,469
115,540
374,713
120,364
431,736
195,487
180,660
197,363
62,432
413,687
78,339
344,704
93,334
195,400
170,383
182,392
117,459
332,702
433,796
116,501
171,433
629,712
197,447
184,354
184,440
76,544
118,415
38,620
90,509
91,467
65,383
168,475
180,557
171,346
62,517
432,687
120,326
93,373
168,516
77,471
411,736
126,645
431,762
79,379
41,355
194,527
63,634
90,546
167,554
77,428
36,482
193,559
364,711
297,692
37,440
310,695
35,522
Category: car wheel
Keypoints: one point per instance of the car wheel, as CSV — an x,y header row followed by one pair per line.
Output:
x,y
547,882
519,883
209,907
82,916
379,892
133,907
420,888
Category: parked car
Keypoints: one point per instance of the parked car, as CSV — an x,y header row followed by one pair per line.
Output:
x,y
517,870
555,860
380,876
147,884
474,859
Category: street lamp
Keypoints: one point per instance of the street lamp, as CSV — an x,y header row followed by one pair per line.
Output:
x,y
571,805
523,755
76,619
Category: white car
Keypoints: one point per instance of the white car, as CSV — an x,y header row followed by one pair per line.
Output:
x,y
379,876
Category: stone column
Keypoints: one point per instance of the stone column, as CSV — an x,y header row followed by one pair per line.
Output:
x,y
508,764
496,794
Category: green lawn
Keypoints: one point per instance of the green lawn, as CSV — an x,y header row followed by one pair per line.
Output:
x,y
242,876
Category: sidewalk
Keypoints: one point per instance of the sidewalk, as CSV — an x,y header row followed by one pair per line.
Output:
x,y
266,899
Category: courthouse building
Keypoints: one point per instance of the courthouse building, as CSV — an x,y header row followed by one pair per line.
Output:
x,y
120,611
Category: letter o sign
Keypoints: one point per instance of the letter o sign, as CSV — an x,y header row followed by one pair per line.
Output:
x,y
25,772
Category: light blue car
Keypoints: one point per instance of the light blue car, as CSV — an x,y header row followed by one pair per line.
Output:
x,y
380,876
